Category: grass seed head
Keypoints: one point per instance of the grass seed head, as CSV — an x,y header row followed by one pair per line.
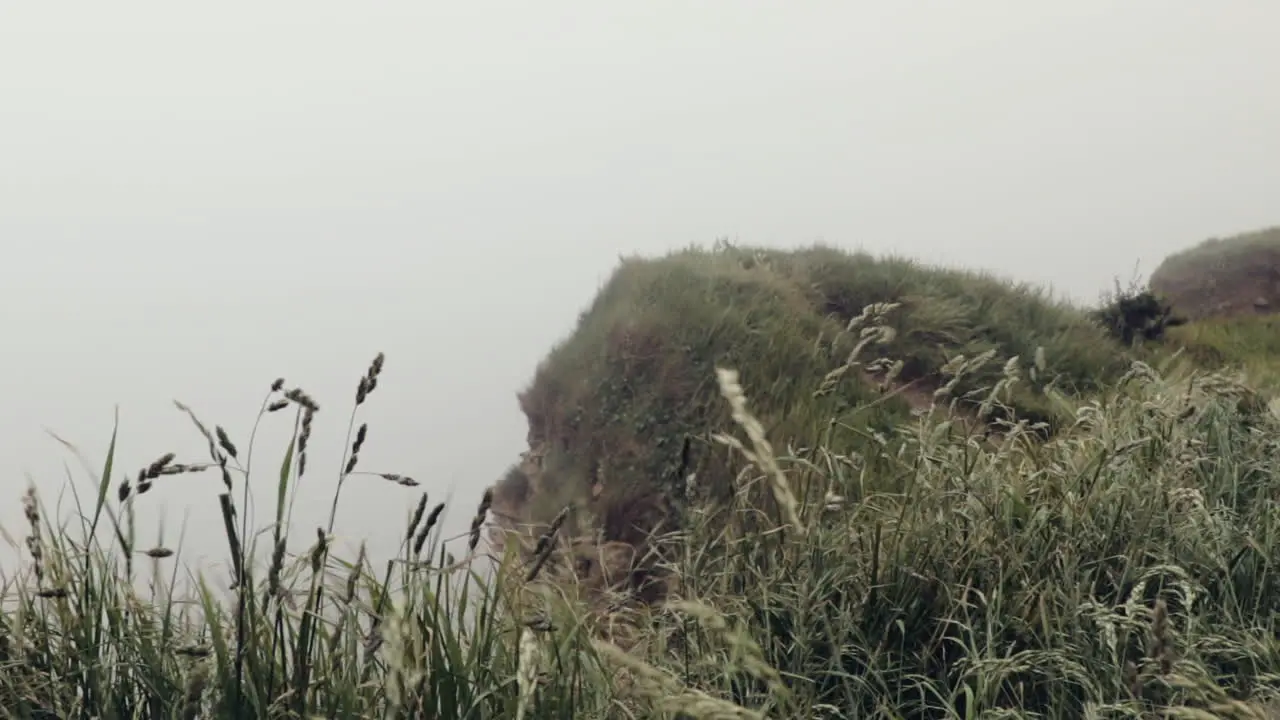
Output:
x,y
416,517
361,435
482,513
301,398
317,555
370,379
225,442
403,480
432,519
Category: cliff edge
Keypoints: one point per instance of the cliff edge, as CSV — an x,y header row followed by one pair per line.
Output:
x,y
621,412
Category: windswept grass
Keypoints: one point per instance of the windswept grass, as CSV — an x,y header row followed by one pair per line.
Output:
x,y
1124,568
308,635
1249,343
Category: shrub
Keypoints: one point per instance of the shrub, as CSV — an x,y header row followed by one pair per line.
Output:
x,y
1136,313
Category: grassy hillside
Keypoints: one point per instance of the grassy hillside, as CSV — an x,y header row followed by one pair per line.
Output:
x,y
1226,277
1248,343
622,410
901,492
1124,568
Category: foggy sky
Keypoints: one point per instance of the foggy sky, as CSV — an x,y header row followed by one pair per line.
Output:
x,y
196,200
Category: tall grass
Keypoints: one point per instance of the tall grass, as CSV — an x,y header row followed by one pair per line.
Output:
x,y
1122,569
1250,343
307,635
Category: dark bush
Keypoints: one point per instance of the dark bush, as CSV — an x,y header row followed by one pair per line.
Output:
x,y
1136,312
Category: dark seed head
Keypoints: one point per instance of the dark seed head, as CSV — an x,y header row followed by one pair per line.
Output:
x,y
154,469
322,545
278,385
225,442
300,397
404,480
416,517
304,436
434,517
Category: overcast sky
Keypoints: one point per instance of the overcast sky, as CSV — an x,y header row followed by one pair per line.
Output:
x,y
195,200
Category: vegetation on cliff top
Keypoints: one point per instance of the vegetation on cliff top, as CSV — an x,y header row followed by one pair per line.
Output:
x,y
871,549
612,407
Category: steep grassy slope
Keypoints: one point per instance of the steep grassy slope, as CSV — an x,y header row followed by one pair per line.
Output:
x,y
621,412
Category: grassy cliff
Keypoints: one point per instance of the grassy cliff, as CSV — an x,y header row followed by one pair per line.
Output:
x,y
621,412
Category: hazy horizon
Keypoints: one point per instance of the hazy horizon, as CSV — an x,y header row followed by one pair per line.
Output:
x,y
196,201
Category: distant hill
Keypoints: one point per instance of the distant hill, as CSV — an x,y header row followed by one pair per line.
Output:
x,y
1228,277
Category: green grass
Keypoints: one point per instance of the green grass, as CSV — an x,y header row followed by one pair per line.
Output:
x,y
1121,569
1249,343
84,635
834,549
